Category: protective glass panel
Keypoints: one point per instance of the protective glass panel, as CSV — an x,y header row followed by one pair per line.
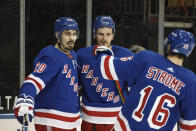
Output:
x,y
9,53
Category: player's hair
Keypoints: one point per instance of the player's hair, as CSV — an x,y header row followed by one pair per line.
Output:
x,y
168,52
181,43
103,21
136,48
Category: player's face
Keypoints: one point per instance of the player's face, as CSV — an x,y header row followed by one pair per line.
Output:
x,y
104,36
67,39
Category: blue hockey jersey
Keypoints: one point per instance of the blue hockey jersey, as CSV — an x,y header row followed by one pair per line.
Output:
x,y
54,86
101,99
164,93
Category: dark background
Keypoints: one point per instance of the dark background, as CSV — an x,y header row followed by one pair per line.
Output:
x,y
41,14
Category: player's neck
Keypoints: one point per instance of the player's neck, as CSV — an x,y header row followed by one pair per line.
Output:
x,y
109,46
62,50
175,60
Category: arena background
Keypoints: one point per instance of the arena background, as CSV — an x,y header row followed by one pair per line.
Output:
x,y
26,26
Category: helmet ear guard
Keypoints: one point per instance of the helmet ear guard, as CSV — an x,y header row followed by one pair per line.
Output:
x,y
103,21
166,44
181,42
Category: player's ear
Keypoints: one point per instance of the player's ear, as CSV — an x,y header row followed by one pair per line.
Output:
x,y
112,36
57,34
168,48
94,36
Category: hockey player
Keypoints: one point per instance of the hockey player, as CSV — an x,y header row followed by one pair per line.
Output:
x,y
164,92
102,99
51,90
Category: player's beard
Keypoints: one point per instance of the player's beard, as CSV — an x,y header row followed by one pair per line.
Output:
x,y
66,48
69,48
70,45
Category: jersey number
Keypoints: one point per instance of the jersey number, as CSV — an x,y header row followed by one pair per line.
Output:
x,y
158,115
39,68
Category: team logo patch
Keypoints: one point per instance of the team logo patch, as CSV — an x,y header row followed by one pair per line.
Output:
x,y
186,46
170,69
126,58
69,19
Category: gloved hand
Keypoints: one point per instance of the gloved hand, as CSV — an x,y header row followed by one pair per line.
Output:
x,y
102,49
24,106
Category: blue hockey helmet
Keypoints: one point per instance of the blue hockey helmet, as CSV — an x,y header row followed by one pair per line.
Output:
x,y
181,42
65,23
103,21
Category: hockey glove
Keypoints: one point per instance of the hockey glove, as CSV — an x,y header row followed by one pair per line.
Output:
x,y
24,106
102,49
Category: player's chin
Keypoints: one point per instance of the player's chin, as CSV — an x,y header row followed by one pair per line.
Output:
x,y
103,44
71,47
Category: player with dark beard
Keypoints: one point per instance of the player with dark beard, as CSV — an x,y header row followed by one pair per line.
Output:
x,y
51,90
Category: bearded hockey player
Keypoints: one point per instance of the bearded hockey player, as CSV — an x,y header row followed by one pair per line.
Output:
x,y
50,92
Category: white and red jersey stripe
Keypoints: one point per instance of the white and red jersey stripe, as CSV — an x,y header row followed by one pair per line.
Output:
x,y
36,81
107,68
122,124
100,115
187,125
57,119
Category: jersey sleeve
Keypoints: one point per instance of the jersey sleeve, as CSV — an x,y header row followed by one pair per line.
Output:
x,y
44,70
113,68
188,109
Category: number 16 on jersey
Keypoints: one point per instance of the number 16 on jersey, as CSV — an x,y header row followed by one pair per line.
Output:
x,y
157,111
